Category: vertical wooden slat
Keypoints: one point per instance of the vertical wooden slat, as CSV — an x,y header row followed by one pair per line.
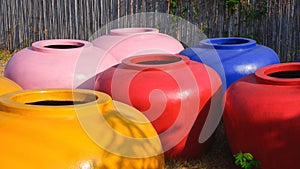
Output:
x,y
24,21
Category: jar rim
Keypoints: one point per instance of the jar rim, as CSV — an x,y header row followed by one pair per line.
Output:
x,y
132,31
158,61
280,74
59,45
28,101
228,43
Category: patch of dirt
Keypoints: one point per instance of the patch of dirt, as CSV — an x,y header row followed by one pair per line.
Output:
x,y
2,67
218,157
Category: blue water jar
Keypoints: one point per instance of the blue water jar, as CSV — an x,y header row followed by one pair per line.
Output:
x,y
232,57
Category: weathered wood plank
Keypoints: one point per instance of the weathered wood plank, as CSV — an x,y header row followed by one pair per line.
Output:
x,y
25,21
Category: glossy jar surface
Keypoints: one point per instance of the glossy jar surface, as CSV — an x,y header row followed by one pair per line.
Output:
x,y
7,86
55,63
262,115
74,129
175,94
233,58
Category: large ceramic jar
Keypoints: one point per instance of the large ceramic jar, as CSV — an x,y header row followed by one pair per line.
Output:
x,y
7,86
175,94
262,115
233,57
124,42
74,129
56,63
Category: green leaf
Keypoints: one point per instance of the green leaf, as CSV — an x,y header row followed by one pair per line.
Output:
x,y
239,158
245,160
248,156
174,4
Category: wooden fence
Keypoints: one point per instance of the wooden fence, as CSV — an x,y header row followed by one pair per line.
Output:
x,y
274,23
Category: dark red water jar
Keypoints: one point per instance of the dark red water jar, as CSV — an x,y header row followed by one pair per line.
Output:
x,y
262,115
176,94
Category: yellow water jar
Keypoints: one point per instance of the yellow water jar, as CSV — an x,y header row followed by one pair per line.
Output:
x,y
7,85
74,129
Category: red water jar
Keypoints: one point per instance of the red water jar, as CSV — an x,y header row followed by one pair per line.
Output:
x,y
262,115
175,93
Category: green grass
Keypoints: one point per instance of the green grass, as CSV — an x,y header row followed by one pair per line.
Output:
x,y
5,55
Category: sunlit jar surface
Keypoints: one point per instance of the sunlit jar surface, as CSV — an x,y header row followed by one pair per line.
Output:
x,y
175,94
60,128
233,58
262,115
55,63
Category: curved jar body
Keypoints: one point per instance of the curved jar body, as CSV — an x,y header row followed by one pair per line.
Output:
x,y
175,94
126,42
74,129
56,63
262,115
233,58
7,86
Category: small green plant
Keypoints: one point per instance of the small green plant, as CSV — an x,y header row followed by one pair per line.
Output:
x,y
27,42
246,160
5,55
255,11
232,5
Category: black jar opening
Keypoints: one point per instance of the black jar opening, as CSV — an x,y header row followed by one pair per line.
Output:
x,y
54,98
131,31
55,46
159,61
155,61
64,46
56,103
231,41
279,74
286,74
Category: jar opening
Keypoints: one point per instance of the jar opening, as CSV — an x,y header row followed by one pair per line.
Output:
x,y
228,43
65,46
231,42
281,74
286,74
130,31
56,103
62,98
160,61
57,45
155,61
